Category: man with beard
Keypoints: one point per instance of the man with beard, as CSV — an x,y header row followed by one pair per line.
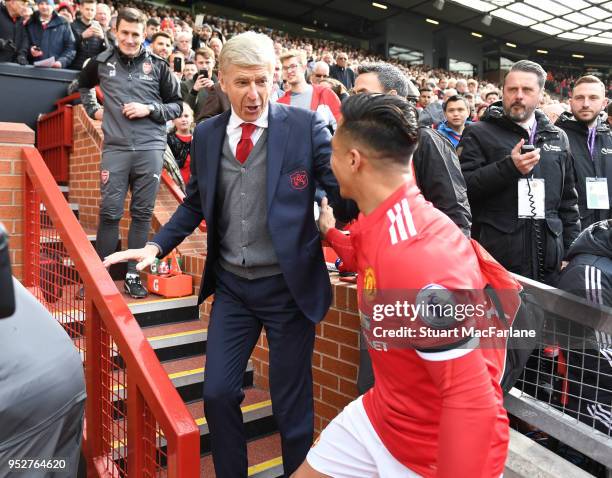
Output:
x,y
524,203
162,45
591,143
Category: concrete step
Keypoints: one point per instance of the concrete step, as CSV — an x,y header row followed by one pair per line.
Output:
x,y
186,374
256,414
264,459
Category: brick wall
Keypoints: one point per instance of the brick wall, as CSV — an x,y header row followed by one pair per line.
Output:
x,y
84,185
13,138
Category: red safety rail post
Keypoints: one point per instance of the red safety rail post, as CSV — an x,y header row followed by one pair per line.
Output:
x,y
133,410
54,140
177,193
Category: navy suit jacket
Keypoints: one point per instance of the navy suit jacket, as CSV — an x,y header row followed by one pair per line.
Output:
x,y
298,158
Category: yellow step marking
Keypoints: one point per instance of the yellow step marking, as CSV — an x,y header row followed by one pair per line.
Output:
x,y
177,334
159,301
265,465
248,408
172,375
202,421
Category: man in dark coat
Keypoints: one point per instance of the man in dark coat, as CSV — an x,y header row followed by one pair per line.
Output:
x,y
13,37
50,36
341,72
591,142
527,232
89,36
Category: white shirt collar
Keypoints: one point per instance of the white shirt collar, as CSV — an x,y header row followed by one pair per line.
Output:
x,y
529,123
235,121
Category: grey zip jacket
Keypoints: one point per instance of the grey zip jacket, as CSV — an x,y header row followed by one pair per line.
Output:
x,y
145,78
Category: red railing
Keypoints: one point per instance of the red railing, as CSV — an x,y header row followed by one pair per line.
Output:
x,y
177,193
54,136
136,423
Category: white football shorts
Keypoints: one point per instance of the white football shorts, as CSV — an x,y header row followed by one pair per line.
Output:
x,y
350,448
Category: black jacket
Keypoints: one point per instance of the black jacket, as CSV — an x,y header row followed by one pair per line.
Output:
x,y
600,166
145,79
85,47
588,351
346,76
56,40
14,43
439,177
524,246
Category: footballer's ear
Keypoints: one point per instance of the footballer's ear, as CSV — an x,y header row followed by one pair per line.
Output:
x,y
356,159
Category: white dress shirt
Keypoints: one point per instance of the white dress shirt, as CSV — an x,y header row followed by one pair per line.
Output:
x,y
234,130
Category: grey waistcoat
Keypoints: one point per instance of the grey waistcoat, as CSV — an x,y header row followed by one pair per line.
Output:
x,y
245,244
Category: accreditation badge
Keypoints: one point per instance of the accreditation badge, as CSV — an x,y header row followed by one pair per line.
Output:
x,y
531,198
597,193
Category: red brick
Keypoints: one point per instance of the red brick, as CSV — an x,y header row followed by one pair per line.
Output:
x,y
10,212
334,398
348,388
6,198
327,347
316,359
340,300
11,153
344,369
316,390
327,379
350,321
349,354
11,182
6,167
324,410
352,298
332,317
340,335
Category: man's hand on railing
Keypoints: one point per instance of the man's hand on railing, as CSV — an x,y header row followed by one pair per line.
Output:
x,y
145,256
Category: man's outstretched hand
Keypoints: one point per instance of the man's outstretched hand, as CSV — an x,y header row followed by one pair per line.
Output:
x,y
145,256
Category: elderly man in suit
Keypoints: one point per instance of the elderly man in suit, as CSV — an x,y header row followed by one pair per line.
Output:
x,y
253,175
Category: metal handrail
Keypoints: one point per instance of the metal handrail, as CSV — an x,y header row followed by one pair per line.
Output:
x,y
147,378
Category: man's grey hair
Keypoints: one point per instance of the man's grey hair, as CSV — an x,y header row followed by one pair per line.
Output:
x,y
528,66
390,78
248,49
320,64
185,35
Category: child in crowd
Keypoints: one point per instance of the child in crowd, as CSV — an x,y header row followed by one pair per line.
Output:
x,y
179,140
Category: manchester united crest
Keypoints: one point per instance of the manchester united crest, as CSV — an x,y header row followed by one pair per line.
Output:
x,y
369,284
299,179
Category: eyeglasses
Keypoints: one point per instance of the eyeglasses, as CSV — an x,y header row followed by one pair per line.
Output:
x,y
342,58
321,76
293,66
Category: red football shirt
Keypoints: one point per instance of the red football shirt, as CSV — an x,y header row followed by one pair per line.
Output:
x,y
438,413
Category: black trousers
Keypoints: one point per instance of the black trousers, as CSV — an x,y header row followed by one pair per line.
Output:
x,y
240,310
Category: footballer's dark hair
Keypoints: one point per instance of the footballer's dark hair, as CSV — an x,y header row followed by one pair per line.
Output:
x,y
386,124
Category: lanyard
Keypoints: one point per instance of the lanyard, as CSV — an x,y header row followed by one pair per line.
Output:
x,y
591,140
534,127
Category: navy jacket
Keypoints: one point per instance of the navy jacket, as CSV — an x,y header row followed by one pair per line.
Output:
x,y
298,148
55,40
